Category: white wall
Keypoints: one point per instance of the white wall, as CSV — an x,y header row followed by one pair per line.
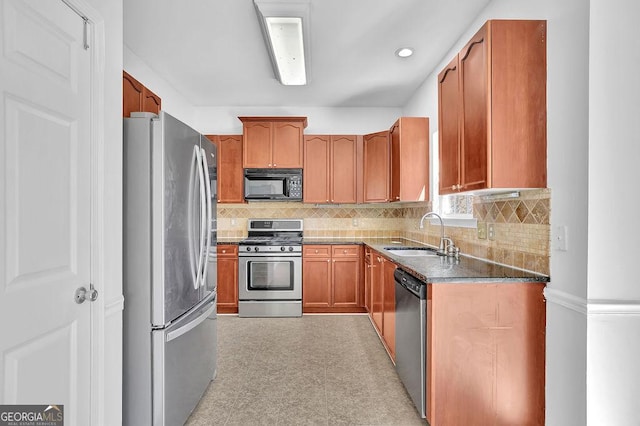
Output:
x,y
350,121
613,375
567,142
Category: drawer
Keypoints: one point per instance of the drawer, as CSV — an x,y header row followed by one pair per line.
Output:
x,y
227,250
352,250
316,251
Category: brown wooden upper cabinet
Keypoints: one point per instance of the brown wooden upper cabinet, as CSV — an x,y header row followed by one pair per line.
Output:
x,y
376,167
136,97
492,116
272,142
410,159
330,168
230,174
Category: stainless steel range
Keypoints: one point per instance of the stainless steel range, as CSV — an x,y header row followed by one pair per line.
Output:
x,y
270,269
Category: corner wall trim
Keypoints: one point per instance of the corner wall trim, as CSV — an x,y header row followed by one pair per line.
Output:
x,y
592,306
567,300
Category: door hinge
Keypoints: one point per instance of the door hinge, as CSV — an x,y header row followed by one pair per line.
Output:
x,y
85,33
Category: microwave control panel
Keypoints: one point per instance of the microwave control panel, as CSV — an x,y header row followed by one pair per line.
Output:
x,y
295,187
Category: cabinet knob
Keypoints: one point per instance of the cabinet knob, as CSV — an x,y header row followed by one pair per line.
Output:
x,y
316,251
459,186
344,251
453,187
274,164
327,260
224,251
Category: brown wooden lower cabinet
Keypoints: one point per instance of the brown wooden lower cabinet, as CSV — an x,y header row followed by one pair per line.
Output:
x,y
486,346
331,278
381,284
227,279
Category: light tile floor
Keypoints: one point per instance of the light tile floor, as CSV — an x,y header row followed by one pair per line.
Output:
x,y
314,370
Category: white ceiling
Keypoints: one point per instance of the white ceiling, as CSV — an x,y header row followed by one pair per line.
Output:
x,y
213,53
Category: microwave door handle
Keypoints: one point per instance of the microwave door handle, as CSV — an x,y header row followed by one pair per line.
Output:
x,y
285,187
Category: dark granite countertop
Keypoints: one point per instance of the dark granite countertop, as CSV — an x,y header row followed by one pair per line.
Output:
x,y
229,240
440,269
437,269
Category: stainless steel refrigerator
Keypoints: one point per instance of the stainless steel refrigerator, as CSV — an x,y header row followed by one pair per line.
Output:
x,y
169,268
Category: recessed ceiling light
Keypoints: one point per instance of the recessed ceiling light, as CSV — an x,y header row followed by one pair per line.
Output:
x,y
404,52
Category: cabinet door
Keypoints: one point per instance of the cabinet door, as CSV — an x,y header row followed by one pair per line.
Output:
x,y
367,280
151,102
131,94
345,275
343,169
316,169
449,127
410,159
389,307
316,282
377,292
227,278
376,167
287,148
474,85
256,146
394,143
230,173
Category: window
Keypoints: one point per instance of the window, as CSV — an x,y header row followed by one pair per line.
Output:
x,y
455,210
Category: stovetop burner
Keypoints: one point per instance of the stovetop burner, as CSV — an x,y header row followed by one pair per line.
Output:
x,y
273,232
276,240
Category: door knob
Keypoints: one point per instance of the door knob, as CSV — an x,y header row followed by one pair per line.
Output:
x,y
83,294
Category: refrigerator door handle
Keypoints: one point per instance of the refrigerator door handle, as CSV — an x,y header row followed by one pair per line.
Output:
x,y
203,218
190,220
207,181
172,335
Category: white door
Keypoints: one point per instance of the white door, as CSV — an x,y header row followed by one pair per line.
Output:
x,y
45,181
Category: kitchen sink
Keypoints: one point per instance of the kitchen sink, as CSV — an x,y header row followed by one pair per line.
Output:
x,y
412,251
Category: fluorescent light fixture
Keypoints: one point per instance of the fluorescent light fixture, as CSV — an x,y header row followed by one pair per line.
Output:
x,y
404,52
285,26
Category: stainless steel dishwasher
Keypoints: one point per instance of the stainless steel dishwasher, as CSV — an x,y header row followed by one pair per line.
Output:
x,y
411,337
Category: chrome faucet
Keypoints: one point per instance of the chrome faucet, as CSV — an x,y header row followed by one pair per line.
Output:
x,y
447,248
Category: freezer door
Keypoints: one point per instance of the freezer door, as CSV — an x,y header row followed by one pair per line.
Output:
x,y
184,363
176,211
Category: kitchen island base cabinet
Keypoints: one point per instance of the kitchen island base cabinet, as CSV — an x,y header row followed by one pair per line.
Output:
x,y
486,362
331,279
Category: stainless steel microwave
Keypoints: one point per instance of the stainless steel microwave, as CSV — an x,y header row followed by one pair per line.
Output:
x,y
273,184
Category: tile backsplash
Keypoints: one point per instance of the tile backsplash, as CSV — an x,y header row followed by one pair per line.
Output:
x,y
521,225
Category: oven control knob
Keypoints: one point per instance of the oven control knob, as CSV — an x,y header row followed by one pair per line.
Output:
x,y
282,248
290,248
257,248
248,248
